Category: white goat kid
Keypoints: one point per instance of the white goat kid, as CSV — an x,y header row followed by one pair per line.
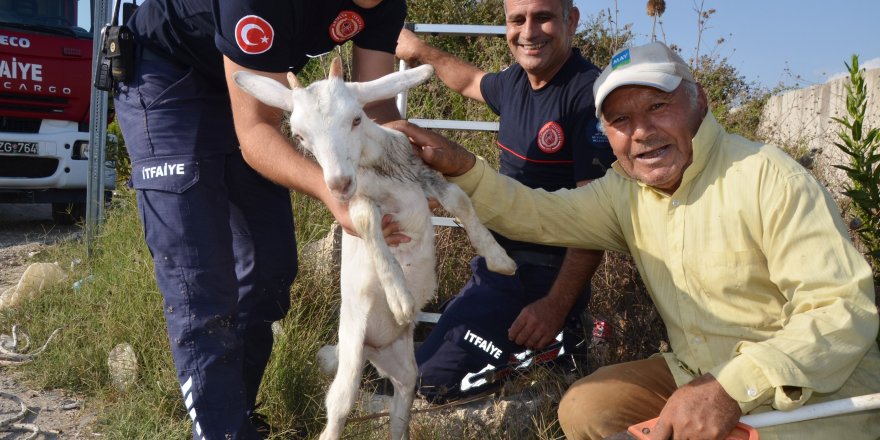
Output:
x,y
377,172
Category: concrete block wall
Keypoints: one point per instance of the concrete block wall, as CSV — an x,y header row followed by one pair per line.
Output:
x,y
802,119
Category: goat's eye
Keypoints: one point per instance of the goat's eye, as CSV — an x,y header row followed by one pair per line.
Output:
x,y
356,122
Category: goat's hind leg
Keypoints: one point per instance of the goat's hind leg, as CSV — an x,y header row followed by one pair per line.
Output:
x,y
346,385
368,220
397,362
457,202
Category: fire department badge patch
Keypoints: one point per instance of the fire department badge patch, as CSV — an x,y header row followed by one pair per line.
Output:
x,y
550,137
253,34
345,26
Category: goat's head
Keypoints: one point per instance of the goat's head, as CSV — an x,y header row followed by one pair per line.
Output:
x,y
327,117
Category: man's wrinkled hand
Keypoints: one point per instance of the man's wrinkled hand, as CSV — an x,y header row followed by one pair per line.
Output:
x,y
698,410
436,151
537,324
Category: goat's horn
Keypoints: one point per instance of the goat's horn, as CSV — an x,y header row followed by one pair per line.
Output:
x,y
336,68
294,83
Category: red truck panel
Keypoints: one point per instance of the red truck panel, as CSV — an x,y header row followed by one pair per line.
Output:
x,y
44,76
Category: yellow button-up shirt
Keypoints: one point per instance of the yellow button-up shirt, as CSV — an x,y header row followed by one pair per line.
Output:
x,y
748,263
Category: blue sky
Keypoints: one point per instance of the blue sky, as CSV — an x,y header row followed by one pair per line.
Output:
x,y
796,42
810,38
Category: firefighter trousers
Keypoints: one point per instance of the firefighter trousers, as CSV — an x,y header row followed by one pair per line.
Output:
x,y
221,237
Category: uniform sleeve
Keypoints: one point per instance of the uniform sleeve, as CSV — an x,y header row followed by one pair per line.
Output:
x,y
491,89
583,218
385,22
830,318
255,34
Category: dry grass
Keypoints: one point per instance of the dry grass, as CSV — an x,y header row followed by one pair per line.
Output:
x,y
621,300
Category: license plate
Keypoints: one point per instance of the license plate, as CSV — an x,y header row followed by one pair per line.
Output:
x,y
16,147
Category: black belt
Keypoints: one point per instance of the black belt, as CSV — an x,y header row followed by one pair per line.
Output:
x,y
536,258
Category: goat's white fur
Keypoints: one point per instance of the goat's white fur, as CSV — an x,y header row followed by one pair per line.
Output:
x,y
377,172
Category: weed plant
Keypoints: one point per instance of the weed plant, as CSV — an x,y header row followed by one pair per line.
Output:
x,y
862,145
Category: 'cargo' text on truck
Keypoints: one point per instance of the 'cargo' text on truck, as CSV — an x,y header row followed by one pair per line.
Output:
x,y
45,89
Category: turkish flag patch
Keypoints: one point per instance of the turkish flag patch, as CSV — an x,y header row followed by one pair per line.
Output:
x,y
253,34
345,26
550,137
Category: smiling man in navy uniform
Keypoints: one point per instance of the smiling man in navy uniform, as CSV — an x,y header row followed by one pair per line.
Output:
x,y
549,138
218,223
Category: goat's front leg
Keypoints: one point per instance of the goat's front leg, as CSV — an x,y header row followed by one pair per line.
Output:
x,y
457,202
367,220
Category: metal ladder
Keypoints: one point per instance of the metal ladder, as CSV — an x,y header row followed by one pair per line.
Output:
x,y
466,30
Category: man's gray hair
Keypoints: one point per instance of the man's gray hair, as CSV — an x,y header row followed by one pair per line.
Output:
x,y
692,91
566,8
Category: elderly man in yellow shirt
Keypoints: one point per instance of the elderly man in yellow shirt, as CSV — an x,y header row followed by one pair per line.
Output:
x,y
766,302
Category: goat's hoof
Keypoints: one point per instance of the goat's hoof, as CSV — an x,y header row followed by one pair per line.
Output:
x,y
501,264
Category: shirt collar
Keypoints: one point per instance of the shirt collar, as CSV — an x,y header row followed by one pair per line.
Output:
x,y
704,143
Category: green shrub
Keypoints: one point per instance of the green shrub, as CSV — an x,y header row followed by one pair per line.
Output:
x,y
862,145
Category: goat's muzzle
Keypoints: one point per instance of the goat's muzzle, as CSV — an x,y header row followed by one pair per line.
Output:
x,y
342,187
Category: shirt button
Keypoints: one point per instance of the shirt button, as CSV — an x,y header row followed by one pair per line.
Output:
x,y
675,203
697,339
751,392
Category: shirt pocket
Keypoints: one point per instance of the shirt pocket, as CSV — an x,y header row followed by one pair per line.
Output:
x,y
735,287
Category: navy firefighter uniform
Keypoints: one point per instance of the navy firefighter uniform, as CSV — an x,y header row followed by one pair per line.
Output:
x,y
549,138
221,236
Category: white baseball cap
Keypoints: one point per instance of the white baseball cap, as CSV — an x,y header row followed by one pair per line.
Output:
x,y
652,64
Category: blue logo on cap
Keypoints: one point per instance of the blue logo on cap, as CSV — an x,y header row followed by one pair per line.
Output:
x,y
620,59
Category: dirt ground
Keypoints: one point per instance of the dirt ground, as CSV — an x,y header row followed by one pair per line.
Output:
x,y
24,231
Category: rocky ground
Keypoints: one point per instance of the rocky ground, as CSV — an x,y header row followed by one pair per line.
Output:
x,y
24,231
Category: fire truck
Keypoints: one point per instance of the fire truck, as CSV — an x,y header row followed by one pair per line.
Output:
x,y
45,89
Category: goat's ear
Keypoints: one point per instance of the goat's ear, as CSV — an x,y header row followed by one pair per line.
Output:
x,y
267,90
392,84
336,68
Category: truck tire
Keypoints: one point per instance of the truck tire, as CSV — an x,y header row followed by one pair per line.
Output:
x,y
68,213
